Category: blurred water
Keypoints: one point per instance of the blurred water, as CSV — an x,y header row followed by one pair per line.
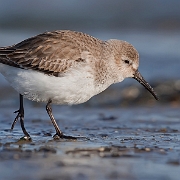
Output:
x,y
162,14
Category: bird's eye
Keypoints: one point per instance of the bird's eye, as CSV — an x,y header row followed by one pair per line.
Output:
x,y
127,61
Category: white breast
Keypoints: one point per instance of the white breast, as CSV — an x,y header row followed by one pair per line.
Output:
x,y
74,88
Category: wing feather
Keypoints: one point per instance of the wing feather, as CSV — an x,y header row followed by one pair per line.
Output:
x,y
51,52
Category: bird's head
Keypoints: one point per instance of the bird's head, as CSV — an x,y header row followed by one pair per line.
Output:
x,y
127,61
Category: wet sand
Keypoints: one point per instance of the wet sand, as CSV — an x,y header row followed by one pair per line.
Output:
x,y
114,143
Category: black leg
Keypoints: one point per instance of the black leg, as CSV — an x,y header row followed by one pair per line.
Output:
x,y
59,133
20,116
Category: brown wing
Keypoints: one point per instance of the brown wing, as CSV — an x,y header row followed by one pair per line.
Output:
x,y
50,52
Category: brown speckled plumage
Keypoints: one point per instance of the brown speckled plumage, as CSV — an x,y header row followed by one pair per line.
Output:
x,y
50,52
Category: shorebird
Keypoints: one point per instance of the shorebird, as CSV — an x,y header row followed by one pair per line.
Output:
x,y
66,67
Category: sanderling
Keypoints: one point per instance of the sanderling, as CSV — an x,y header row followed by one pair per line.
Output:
x,y
66,67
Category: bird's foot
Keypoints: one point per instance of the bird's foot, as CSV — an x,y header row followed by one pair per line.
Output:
x,y
62,136
26,138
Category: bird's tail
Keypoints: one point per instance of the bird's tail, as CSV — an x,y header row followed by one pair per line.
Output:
x,y
4,59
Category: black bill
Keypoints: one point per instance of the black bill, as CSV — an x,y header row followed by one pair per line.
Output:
x,y
140,79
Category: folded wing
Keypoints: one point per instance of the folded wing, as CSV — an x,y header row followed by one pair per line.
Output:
x,y
51,52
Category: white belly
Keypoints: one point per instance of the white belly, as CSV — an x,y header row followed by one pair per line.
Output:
x,y
74,88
